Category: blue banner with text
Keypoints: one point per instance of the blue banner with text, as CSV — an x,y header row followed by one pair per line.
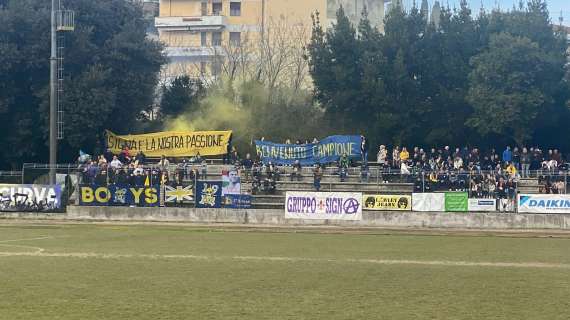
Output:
x,y
328,150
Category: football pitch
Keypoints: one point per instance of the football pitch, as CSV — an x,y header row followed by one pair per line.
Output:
x,y
158,271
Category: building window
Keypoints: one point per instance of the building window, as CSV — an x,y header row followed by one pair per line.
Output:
x,y
235,38
216,39
204,8
235,9
217,8
203,39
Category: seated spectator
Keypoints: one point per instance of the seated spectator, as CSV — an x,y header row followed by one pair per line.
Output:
x,y
256,184
458,162
269,185
501,189
404,169
418,184
272,172
511,170
296,173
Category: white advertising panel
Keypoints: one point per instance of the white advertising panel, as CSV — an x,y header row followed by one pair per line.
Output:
x,y
434,202
544,203
323,205
482,205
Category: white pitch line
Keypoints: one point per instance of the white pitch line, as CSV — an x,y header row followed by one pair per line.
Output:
x,y
94,255
28,239
38,250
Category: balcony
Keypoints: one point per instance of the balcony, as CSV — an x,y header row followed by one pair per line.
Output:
x,y
189,54
198,23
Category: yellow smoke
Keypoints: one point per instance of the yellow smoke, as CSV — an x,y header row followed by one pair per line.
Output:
x,y
245,109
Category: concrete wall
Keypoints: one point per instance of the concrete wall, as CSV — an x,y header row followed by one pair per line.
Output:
x,y
370,218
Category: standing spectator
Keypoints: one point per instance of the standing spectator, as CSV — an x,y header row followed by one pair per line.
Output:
x,y
526,159
404,155
556,156
343,167
382,156
125,155
140,158
102,160
317,176
115,163
446,153
108,155
204,169
517,158
247,164
101,177
296,171
507,155
364,145
163,163
234,156
396,158
227,156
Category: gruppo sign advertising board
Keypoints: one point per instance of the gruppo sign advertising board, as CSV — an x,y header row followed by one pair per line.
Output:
x,y
543,203
323,205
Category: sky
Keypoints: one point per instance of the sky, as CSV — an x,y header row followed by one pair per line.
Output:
x,y
554,6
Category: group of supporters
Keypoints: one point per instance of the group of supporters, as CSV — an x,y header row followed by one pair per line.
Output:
x,y
521,161
123,169
484,174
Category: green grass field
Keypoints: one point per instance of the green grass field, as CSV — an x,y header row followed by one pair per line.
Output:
x,y
86,271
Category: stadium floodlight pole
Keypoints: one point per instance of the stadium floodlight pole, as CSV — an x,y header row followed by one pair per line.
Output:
x,y
53,97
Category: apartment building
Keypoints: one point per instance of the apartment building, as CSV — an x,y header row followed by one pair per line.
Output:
x,y
194,31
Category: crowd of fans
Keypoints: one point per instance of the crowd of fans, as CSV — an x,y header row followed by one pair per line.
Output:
x,y
522,160
488,174
123,169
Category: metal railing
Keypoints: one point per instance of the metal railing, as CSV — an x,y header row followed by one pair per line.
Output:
x,y
478,184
